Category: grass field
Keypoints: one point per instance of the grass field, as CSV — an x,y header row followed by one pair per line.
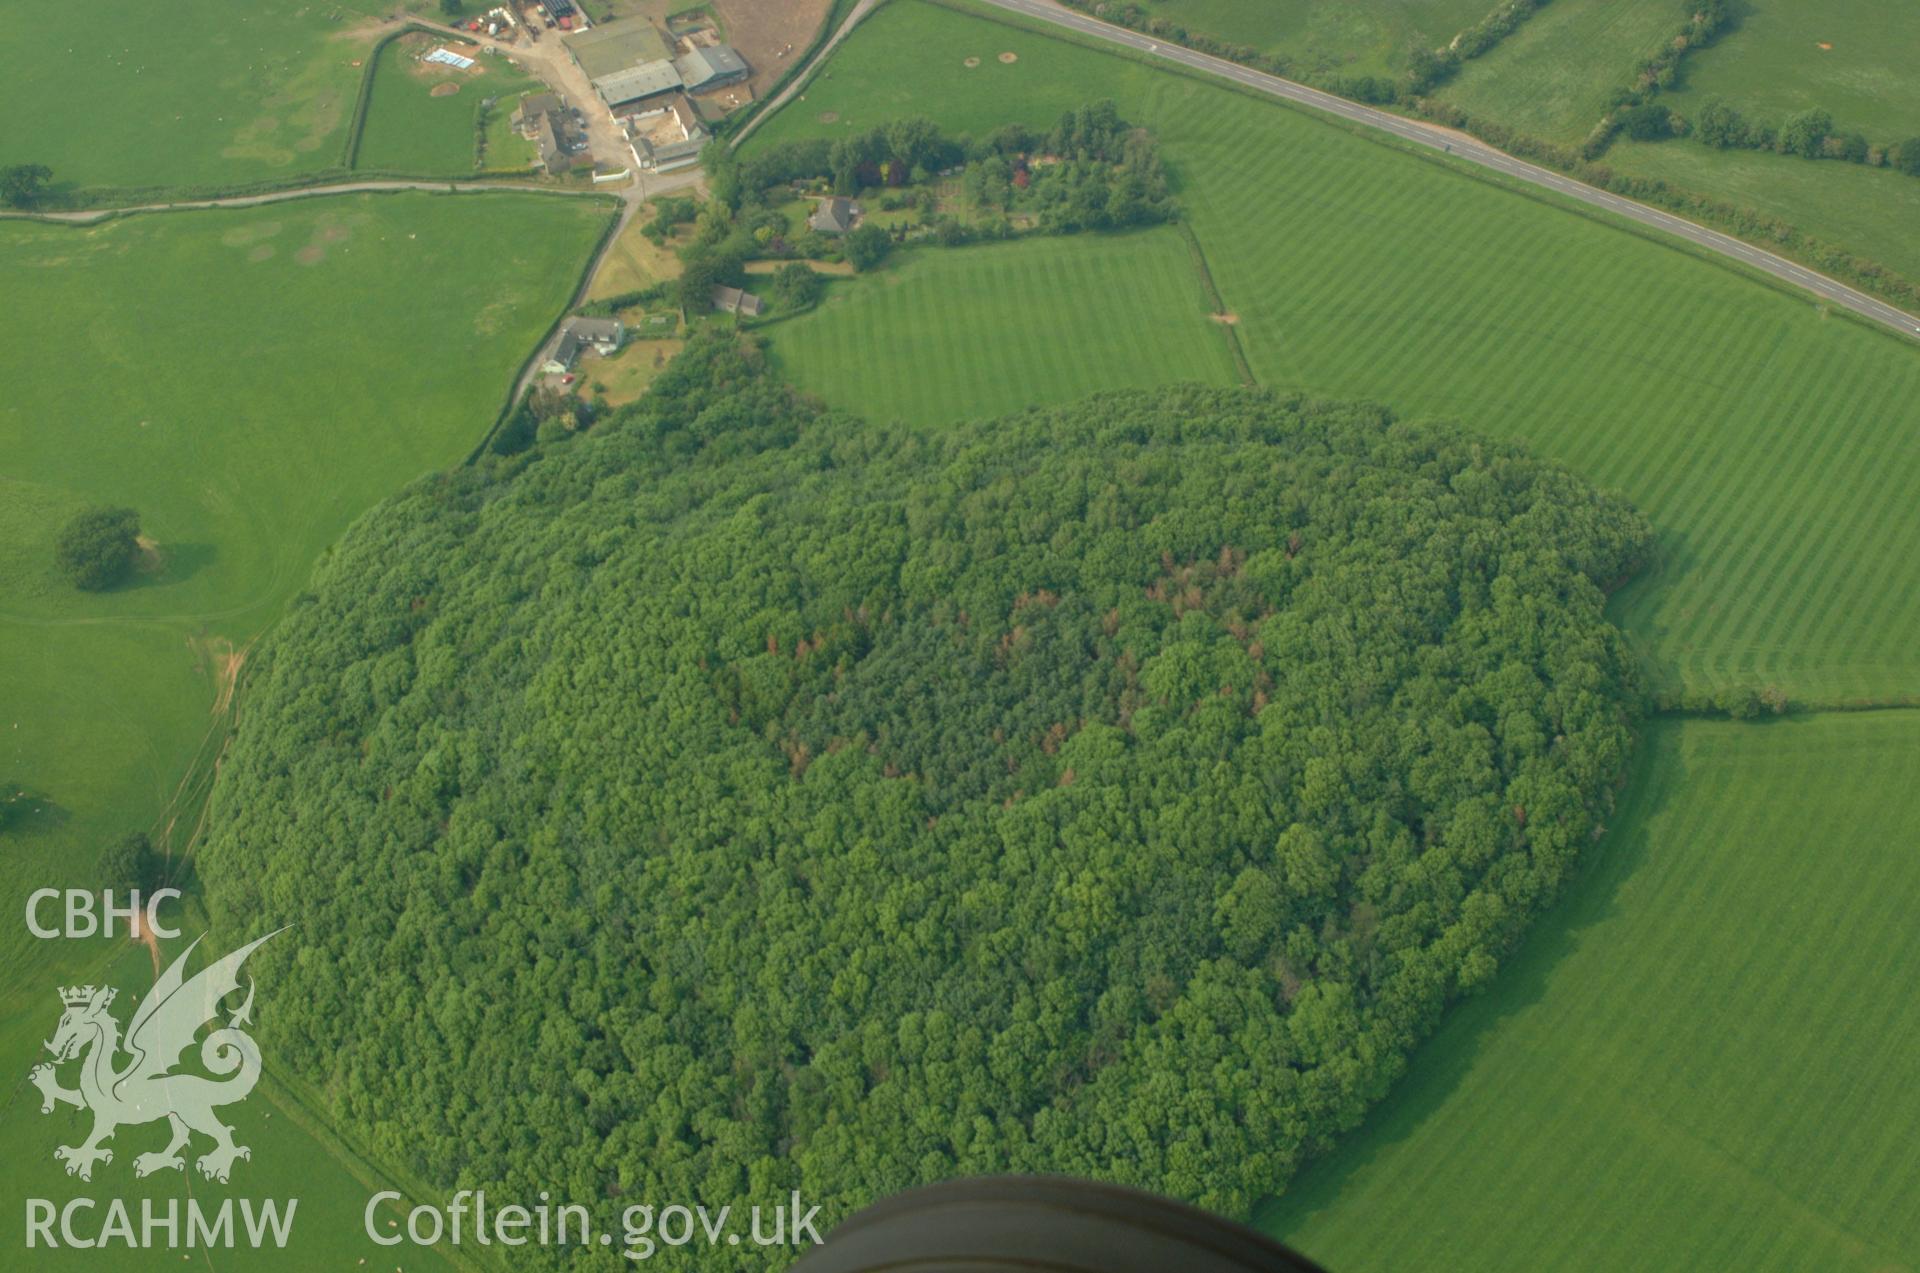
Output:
x,y
313,356
1702,1060
1774,63
945,335
408,129
1773,445
331,1185
1871,212
1369,37
1551,77
194,93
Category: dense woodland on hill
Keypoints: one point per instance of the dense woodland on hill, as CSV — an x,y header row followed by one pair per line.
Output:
x,y
741,798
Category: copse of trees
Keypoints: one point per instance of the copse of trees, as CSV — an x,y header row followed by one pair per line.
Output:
x,y
1100,172
669,212
741,798
97,547
22,185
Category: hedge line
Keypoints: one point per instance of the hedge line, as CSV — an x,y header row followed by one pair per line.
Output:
x,y
357,125
1745,223
581,282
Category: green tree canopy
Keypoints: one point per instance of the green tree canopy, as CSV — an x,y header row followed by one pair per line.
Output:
x,y
796,287
96,548
130,863
741,798
22,184
867,246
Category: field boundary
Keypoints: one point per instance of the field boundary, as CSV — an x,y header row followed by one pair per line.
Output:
x,y
298,1102
516,388
357,123
1467,44
735,128
1218,312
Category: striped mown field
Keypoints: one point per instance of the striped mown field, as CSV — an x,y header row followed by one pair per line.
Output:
x,y
1775,446
945,335
1702,1060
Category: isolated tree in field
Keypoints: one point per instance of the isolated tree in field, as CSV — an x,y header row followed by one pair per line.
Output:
x,y
452,8
867,247
97,547
1906,156
130,863
21,185
796,287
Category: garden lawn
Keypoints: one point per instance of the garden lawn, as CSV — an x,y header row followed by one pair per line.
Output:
x,y
1774,445
410,130
1701,1060
943,335
192,93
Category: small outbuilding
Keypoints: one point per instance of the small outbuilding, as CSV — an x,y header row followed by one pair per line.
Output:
x,y
731,300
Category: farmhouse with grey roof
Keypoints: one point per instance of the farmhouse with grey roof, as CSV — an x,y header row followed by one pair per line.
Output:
x,y
602,335
731,300
835,215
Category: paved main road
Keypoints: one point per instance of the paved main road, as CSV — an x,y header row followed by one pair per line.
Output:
x,y
1422,134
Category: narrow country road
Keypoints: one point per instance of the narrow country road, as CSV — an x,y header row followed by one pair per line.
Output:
x,y
88,216
799,81
1435,138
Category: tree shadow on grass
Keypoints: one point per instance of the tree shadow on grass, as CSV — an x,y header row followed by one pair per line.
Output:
x,y
25,811
1438,1067
177,564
